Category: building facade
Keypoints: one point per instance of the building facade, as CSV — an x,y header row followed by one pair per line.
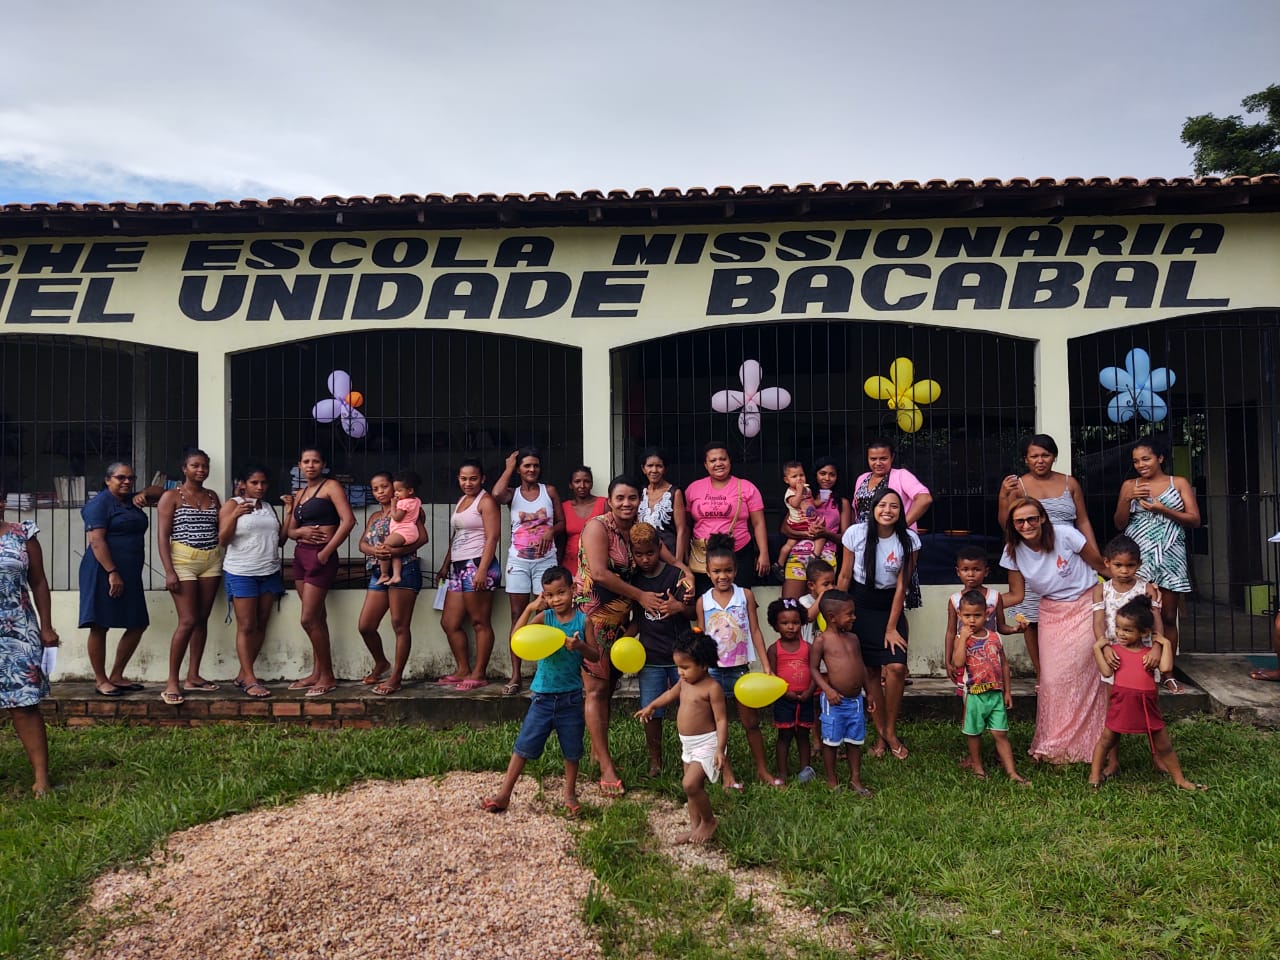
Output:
x,y
594,325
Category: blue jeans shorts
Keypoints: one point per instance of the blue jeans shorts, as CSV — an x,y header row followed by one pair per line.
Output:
x,y
240,586
727,677
410,577
561,712
655,680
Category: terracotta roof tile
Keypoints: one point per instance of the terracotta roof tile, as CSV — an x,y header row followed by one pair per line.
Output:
x,y
882,198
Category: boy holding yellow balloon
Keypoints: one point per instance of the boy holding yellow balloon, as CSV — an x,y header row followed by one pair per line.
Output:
x,y
556,703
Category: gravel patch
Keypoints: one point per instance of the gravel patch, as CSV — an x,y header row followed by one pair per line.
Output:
x,y
381,870
781,920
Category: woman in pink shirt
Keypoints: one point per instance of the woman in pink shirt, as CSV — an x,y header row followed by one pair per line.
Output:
x,y
916,498
723,503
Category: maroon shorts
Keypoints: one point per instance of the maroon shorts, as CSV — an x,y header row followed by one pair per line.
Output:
x,y
308,569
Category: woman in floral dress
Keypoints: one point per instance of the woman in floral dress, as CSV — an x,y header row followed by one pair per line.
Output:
x,y
23,637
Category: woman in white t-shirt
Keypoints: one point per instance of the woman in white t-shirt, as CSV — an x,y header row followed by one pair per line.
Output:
x,y
1058,563
878,568
250,531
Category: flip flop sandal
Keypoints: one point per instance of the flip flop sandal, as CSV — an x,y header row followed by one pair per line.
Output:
x,y
207,687
489,805
113,692
172,699
248,691
510,689
448,679
320,691
471,685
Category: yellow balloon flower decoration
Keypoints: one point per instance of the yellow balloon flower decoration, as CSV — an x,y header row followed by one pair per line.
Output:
x,y
902,394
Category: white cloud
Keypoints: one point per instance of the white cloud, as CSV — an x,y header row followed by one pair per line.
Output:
x,y
290,98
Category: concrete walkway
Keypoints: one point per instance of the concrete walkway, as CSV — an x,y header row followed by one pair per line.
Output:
x,y
356,705
1231,694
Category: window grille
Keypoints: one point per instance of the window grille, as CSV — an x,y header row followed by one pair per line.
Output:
x,y
73,405
431,398
1219,421
968,441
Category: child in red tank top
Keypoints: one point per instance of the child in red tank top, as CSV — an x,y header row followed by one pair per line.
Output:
x,y
793,711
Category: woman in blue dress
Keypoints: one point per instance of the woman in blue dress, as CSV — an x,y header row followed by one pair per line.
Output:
x,y
23,638
111,577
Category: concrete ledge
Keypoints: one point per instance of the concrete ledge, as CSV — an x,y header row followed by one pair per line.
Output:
x,y
422,702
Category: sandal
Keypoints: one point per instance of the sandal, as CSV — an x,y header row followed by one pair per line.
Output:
x,y
261,688
612,788
489,805
511,689
465,685
900,751
172,699
1171,685
319,690
449,679
386,688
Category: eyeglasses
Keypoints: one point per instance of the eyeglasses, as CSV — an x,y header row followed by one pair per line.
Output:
x,y
1025,521
123,477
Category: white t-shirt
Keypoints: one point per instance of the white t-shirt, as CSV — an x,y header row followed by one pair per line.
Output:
x,y
1060,574
889,558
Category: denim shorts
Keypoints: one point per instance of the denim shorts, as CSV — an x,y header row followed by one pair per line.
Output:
x,y
410,577
561,712
789,714
240,586
655,680
728,676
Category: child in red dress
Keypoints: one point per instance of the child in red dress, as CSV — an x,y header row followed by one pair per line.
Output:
x,y
1133,707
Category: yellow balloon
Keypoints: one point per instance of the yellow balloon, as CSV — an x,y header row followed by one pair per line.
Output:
x,y
822,622
536,641
627,655
758,690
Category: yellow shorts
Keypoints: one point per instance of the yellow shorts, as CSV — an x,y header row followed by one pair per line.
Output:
x,y
192,564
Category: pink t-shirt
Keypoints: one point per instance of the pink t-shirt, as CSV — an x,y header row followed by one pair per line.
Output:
x,y
713,510
901,479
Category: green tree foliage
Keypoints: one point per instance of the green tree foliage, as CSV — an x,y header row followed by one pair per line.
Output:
x,y
1228,145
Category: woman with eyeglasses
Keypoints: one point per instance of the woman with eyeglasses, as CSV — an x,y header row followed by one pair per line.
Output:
x,y
111,577
1058,562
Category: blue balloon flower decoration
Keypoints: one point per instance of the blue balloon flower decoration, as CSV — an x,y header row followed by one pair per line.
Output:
x,y
1137,388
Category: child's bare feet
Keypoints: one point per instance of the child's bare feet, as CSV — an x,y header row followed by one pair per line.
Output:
x,y
383,580
1019,779
1188,785
392,580
859,789
966,763
702,833
686,837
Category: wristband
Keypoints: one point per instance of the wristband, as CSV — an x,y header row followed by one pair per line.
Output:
x,y
110,572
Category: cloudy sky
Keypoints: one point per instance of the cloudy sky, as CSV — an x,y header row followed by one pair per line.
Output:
x,y
179,100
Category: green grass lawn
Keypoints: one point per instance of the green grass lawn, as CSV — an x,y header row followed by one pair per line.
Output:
x,y
932,866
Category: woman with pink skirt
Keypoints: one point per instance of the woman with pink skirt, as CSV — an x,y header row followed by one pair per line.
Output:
x,y
1057,562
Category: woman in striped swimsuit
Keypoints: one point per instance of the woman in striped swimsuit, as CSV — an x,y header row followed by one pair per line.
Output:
x,y
1156,510
192,559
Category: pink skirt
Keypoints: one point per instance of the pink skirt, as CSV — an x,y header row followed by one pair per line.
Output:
x,y
1071,705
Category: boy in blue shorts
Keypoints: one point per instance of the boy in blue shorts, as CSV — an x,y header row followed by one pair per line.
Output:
x,y
557,691
842,686
979,652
